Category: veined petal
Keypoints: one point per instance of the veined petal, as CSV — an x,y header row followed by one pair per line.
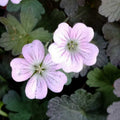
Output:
x,y
82,33
33,52
21,69
75,65
36,87
61,35
16,1
49,64
89,53
58,54
55,81
3,2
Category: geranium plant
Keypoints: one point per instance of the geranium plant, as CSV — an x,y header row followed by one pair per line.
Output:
x,y
59,60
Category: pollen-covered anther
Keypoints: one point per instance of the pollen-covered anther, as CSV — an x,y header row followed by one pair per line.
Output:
x,y
72,46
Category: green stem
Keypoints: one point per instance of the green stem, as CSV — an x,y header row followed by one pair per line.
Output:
x,y
2,113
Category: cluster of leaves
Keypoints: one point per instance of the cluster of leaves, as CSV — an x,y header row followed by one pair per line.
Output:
x,y
38,19
24,109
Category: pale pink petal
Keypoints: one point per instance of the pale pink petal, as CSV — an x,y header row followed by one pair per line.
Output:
x,y
61,35
36,87
76,64
16,1
58,54
21,69
49,64
89,53
33,52
117,87
3,2
55,81
82,33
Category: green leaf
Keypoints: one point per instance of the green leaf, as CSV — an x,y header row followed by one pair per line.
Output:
x,y
103,80
20,33
36,7
13,7
112,34
3,86
79,106
69,78
51,20
23,109
110,9
41,34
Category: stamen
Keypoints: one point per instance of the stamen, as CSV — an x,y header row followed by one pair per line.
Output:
x,y
72,45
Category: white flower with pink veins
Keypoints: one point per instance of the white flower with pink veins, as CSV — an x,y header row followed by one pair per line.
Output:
x,y
5,2
39,69
72,48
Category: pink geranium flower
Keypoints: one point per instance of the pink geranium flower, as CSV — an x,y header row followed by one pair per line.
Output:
x,y
72,48
5,2
41,71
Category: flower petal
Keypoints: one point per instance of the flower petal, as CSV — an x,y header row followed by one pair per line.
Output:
x,y
36,87
116,91
55,81
33,52
89,53
3,2
76,64
58,54
16,1
82,33
61,35
49,64
21,69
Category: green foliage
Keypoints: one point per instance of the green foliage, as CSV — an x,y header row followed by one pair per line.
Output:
x,y
69,78
20,33
112,34
51,20
36,7
3,86
23,109
110,9
103,80
79,106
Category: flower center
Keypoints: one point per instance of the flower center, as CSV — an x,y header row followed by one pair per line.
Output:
x,y
39,69
72,45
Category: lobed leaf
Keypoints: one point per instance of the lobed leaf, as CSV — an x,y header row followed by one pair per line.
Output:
x,y
23,109
36,7
103,80
112,34
110,9
79,106
20,33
